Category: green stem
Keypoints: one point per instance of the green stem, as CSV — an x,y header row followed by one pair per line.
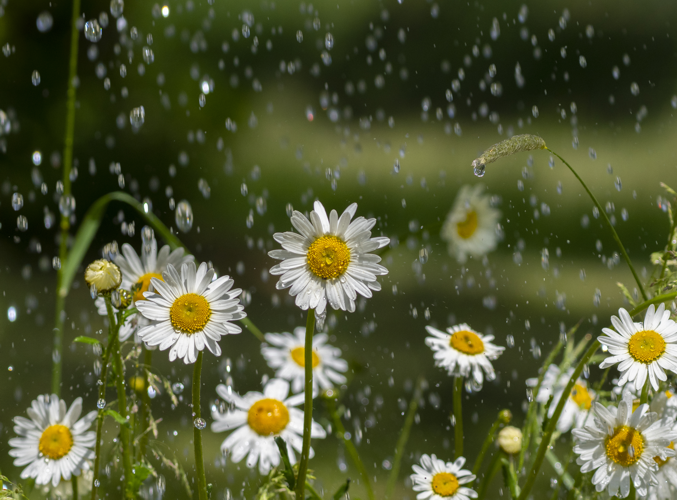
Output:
x,y
564,476
145,405
313,493
608,223
340,432
307,406
197,433
487,443
74,480
65,224
458,415
404,437
252,328
644,398
510,476
494,465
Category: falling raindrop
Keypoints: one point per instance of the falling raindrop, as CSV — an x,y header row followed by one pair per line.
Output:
x,y
423,255
101,403
329,41
582,61
204,188
634,88
199,423
116,7
35,78
17,201
299,36
137,116
184,216
44,21
22,223
93,30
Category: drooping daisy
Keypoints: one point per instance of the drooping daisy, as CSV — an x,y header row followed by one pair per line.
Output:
x,y
190,311
286,354
470,228
578,403
53,442
258,419
329,260
137,273
437,480
463,350
642,350
621,445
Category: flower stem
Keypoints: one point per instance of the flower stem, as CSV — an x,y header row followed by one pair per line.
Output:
x,y
608,223
307,406
197,433
65,224
340,432
510,476
74,482
458,416
252,328
644,398
485,446
404,437
494,465
145,405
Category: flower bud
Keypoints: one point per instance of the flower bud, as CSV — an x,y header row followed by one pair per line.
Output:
x,y
505,416
510,440
103,276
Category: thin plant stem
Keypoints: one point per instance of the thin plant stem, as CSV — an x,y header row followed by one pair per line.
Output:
x,y
252,328
74,482
404,437
485,446
65,223
608,223
494,465
313,493
197,433
458,416
510,476
145,405
307,406
644,398
340,432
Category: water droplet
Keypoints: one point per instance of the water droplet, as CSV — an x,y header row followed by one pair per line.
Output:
x,y
616,72
423,255
101,404
184,216
148,55
530,394
299,36
478,168
329,41
93,30
11,314
22,223
137,116
116,7
624,214
17,201
56,263
634,88
97,483
582,61
44,21
35,78
200,423
66,205
204,188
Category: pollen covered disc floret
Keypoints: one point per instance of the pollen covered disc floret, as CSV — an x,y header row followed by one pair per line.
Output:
x,y
329,259
436,480
54,443
463,351
621,446
257,419
285,353
189,311
642,350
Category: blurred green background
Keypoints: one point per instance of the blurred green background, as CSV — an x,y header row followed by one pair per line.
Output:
x,y
595,79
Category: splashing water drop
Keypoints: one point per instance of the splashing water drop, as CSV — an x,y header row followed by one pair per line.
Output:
x,y
93,31
184,216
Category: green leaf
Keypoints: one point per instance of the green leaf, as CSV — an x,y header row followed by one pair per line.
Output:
x,y
117,417
342,491
546,408
288,471
141,473
86,340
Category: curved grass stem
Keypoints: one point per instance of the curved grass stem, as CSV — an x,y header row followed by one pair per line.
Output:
x,y
487,443
458,416
145,405
608,223
307,406
197,433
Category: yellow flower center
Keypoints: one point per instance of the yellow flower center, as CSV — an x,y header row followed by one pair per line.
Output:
x,y
662,462
268,417
468,227
646,346
581,397
190,313
56,441
625,447
328,257
467,342
143,284
445,484
298,354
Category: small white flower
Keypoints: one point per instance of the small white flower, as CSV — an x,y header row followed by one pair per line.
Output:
x,y
53,442
470,228
329,260
286,354
642,350
137,273
189,312
578,403
258,419
103,276
437,480
621,445
665,404
463,350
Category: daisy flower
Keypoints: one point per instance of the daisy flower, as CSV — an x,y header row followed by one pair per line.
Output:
x,y
189,311
470,228
102,276
621,445
463,350
642,349
137,273
329,260
665,404
258,419
578,403
437,480
53,442
286,354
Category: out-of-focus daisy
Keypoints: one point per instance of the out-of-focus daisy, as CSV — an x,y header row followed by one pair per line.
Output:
x,y
462,350
137,273
437,480
53,442
470,228
286,354
642,349
102,276
665,405
329,260
258,418
510,439
621,445
578,403
189,312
